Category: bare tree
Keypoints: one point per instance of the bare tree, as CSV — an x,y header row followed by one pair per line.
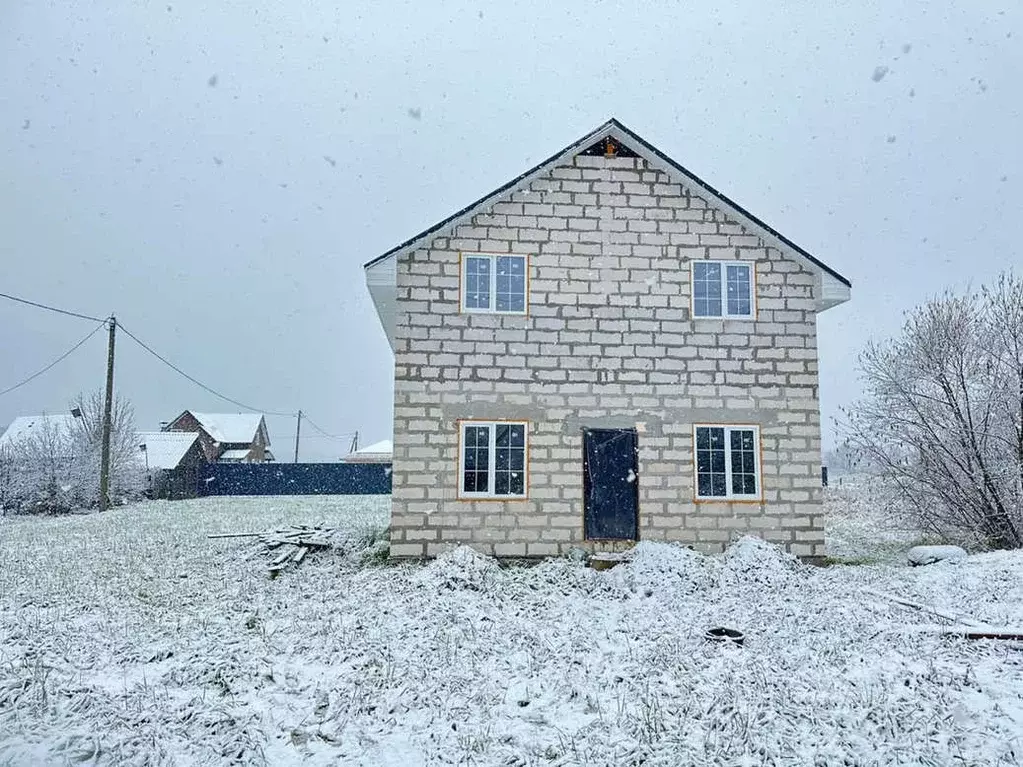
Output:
x,y
55,469
126,473
942,414
38,470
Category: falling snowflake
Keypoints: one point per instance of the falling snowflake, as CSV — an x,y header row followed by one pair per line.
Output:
x,y
879,73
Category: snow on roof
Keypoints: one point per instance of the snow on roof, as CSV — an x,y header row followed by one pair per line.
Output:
x,y
234,455
230,427
165,449
27,426
378,452
384,446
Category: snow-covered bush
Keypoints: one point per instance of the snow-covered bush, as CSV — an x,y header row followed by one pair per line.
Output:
x,y
55,468
943,414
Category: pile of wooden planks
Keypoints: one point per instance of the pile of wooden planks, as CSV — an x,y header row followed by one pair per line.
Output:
x,y
288,546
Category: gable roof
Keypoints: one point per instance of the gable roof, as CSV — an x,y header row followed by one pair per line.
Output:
x,y
381,275
28,426
165,449
648,151
230,427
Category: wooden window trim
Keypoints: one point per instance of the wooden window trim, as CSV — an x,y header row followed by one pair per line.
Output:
x,y
730,498
461,495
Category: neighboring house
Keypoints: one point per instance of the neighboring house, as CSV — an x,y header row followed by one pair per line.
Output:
x,y
173,461
60,428
378,452
605,349
227,437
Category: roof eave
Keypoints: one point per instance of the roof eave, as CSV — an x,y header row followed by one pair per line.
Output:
x,y
643,147
834,288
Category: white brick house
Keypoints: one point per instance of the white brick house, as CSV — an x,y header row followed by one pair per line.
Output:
x,y
603,350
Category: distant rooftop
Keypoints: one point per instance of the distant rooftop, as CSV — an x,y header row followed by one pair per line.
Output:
x,y
384,446
234,456
165,449
27,426
230,427
378,452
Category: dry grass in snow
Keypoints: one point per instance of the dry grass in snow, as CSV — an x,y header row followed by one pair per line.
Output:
x,y
129,638
865,521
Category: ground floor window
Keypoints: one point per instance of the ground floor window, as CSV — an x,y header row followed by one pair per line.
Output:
x,y
492,459
727,462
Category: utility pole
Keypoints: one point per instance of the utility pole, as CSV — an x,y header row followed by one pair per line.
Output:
x,y
104,466
298,431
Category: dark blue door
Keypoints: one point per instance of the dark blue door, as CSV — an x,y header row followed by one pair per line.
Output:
x,y
610,484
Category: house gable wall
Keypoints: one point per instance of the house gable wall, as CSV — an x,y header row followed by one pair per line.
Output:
x,y
188,423
211,448
608,341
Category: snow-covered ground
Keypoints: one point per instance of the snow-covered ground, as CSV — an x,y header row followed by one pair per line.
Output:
x,y
130,638
866,521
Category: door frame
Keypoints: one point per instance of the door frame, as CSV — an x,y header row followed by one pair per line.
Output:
x,y
586,480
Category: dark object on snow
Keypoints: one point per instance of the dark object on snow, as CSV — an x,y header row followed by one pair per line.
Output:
x,y
722,634
972,632
824,476
928,555
605,560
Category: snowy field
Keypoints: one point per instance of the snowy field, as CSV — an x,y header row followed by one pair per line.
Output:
x,y
865,523
129,638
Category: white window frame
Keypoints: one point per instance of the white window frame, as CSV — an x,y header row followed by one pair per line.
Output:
x,y
750,267
492,309
757,463
490,493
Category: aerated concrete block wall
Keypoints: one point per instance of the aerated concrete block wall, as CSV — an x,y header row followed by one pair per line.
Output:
x,y
608,342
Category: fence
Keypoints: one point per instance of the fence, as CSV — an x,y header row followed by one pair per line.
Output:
x,y
295,479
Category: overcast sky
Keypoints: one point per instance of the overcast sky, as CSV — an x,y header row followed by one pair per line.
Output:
x,y
217,175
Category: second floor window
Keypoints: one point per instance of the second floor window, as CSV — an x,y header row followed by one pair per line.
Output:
x,y
722,289
494,283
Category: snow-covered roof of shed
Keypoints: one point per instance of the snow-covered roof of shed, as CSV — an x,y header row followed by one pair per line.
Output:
x,y
234,455
384,447
165,449
230,427
27,426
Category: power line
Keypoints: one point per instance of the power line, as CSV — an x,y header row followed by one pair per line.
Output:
x,y
196,381
156,354
324,433
57,361
339,437
50,308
